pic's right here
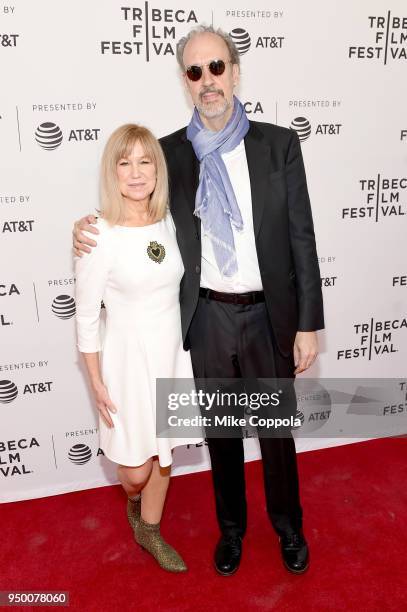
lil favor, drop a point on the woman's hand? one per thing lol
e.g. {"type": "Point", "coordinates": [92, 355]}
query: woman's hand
{"type": "Point", "coordinates": [104, 403]}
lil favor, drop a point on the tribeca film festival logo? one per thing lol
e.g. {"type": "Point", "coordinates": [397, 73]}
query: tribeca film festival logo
{"type": "Point", "coordinates": [388, 40]}
{"type": "Point", "coordinates": [49, 135]}
{"type": "Point", "coordinates": [243, 41]}
{"type": "Point", "coordinates": [375, 339]}
{"type": "Point", "coordinates": [399, 407]}
{"type": "Point", "coordinates": [152, 31]}
{"type": "Point", "coordinates": [11, 461]}
{"type": "Point", "coordinates": [252, 107]}
{"type": "Point", "coordinates": [63, 307]}
{"type": "Point", "coordinates": [9, 390]}
{"type": "Point", "coordinates": [399, 281]}
{"type": "Point", "coordinates": [5, 292]}
{"type": "Point", "coordinates": [381, 198]}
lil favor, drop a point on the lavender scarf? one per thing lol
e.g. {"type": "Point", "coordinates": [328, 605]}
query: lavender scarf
{"type": "Point", "coordinates": [215, 202]}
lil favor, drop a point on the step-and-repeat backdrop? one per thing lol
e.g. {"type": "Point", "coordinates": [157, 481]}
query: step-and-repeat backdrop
{"type": "Point", "coordinates": [71, 73]}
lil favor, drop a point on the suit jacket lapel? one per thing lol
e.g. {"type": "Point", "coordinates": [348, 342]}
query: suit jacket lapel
{"type": "Point", "coordinates": [189, 172]}
{"type": "Point", "coordinates": [258, 161]}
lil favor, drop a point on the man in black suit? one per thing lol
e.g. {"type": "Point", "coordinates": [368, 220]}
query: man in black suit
{"type": "Point", "coordinates": [261, 320]}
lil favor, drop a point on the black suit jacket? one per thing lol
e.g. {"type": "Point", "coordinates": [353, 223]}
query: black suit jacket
{"type": "Point", "coordinates": [283, 227]}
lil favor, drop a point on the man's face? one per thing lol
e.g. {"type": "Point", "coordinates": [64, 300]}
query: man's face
{"type": "Point", "coordinates": [212, 95]}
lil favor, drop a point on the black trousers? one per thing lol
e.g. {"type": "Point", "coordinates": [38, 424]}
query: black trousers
{"type": "Point", "coordinates": [236, 341]}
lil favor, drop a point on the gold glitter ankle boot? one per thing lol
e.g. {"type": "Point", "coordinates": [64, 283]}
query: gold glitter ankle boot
{"type": "Point", "coordinates": [149, 537]}
{"type": "Point", "coordinates": [134, 511]}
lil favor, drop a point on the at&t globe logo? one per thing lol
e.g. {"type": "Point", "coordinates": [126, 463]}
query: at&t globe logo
{"type": "Point", "coordinates": [48, 136]}
{"type": "Point", "coordinates": [8, 391]}
{"type": "Point", "coordinates": [299, 415]}
{"type": "Point", "coordinates": [80, 454]}
{"type": "Point", "coordinates": [241, 39]}
{"type": "Point", "coordinates": [63, 307]}
{"type": "Point", "coordinates": [302, 126]}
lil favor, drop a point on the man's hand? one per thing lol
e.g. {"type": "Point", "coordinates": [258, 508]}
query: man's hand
{"type": "Point", "coordinates": [305, 350]}
{"type": "Point", "coordinates": [80, 241]}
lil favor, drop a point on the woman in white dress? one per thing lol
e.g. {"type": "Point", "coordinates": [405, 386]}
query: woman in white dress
{"type": "Point", "coordinates": [136, 270]}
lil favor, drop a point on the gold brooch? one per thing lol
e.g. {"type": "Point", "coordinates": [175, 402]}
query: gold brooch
{"type": "Point", "coordinates": [156, 251]}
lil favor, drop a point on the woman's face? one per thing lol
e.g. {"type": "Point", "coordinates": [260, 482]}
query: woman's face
{"type": "Point", "coordinates": [136, 175]}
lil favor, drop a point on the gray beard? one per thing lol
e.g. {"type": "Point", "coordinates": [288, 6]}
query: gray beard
{"type": "Point", "coordinates": [212, 111]}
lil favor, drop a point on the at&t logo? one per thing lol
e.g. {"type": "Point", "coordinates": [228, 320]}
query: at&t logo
{"type": "Point", "coordinates": [79, 454]}
{"type": "Point", "coordinates": [300, 417]}
{"type": "Point", "coordinates": [18, 226]}
{"type": "Point", "coordinates": [328, 281]}
{"type": "Point", "coordinates": [63, 307]}
{"type": "Point", "coordinates": [49, 135]}
{"type": "Point", "coordinates": [8, 391]}
{"type": "Point", "coordinates": [8, 40]}
{"type": "Point", "coordinates": [303, 127]}
{"type": "Point", "coordinates": [243, 42]}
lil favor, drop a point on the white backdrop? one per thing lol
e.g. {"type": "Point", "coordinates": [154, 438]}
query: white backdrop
{"type": "Point", "coordinates": [87, 67]}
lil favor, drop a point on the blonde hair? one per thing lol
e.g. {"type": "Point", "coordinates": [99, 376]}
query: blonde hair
{"type": "Point", "coordinates": [119, 145]}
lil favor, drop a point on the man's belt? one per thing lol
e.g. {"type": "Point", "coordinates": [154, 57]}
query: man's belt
{"type": "Point", "coordinates": [253, 297]}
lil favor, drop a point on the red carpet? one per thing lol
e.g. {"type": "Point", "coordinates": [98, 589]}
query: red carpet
{"type": "Point", "coordinates": [355, 506]}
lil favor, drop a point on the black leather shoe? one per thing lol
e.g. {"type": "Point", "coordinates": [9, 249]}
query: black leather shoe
{"type": "Point", "coordinates": [227, 555]}
{"type": "Point", "coordinates": [294, 550]}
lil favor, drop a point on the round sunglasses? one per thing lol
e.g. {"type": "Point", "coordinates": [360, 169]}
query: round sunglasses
{"type": "Point", "coordinates": [216, 67]}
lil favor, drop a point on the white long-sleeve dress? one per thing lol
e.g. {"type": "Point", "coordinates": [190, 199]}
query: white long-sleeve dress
{"type": "Point", "coordinates": [136, 271]}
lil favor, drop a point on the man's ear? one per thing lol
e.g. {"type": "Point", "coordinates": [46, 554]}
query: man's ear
{"type": "Point", "coordinates": [185, 80]}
